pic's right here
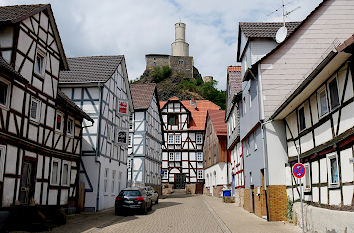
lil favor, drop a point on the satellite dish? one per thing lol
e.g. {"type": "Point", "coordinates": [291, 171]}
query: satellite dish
{"type": "Point", "coordinates": [281, 34]}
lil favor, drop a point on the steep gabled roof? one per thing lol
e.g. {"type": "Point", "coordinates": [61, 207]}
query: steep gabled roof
{"type": "Point", "coordinates": [94, 69]}
{"type": "Point", "coordinates": [17, 13]}
{"type": "Point", "coordinates": [234, 82]}
{"type": "Point", "coordinates": [64, 100]}
{"type": "Point", "coordinates": [142, 95]}
{"type": "Point", "coordinates": [217, 118]}
{"type": "Point", "coordinates": [198, 115]}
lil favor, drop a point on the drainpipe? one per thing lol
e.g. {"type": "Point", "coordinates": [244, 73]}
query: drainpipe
{"type": "Point", "coordinates": [264, 144]}
{"type": "Point", "coordinates": [98, 149]}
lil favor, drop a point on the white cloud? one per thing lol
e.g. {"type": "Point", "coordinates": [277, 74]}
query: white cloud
{"type": "Point", "coordinates": [138, 27]}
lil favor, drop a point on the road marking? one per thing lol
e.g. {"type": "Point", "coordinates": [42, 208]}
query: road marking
{"type": "Point", "coordinates": [221, 224]}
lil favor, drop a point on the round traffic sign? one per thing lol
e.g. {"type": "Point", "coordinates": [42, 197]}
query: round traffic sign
{"type": "Point", "coordinates": [299, 170]}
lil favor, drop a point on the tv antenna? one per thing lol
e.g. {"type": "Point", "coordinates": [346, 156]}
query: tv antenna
{"type": "Point", "coordinates": [283, 31]}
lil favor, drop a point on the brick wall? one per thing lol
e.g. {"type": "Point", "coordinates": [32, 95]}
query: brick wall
{"type": "Point", "coordinates": [247, 203]}
{"type": "Point", "coordinates": [218, 191]}
{"type": "Point", "coordinates": [277, 202]}
{"type": "Point", "coordinates": [259, 202]}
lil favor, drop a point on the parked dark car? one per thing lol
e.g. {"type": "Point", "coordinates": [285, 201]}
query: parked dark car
{"type": "Point", "coordinates": [154, 194]}
{"type": "Point", "coordinates": [133, 198]}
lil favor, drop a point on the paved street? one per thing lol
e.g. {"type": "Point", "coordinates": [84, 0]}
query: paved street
{"type": "Point", "coordinates": [177, 213]}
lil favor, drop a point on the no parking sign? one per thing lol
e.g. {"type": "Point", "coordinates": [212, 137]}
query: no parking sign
{"type": "Point", "coordinates": [299, 170]}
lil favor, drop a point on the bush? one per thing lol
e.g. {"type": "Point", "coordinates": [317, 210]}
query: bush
{"type": "Point", "coordinates": [159, 74]}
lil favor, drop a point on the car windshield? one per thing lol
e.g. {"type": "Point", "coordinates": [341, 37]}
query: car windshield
{"type": "Point", "coordinates": [130, 193]}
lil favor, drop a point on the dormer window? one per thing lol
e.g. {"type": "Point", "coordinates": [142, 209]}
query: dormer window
{"type": "Point", "coordinates": [39, 63]}
{"type": "Point", "coordinates": [172, 119]}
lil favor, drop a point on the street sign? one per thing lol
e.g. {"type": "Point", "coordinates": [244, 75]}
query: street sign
{"type": "Point", "coordinates": [299, 170]}
{"type": "Point", "coordinates": [162, 172]}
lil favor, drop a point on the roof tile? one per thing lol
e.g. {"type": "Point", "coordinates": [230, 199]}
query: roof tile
{"type": "Point", "coordinates": [142, 95]}
{"type": "Point", "coordinates": [217, 118]}
{"type": "Point", "coordinates": [265, 30]}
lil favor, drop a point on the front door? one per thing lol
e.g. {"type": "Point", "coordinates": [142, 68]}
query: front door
{"type": "Point", "coordinates": [27, 182]}
{"type": "Point", "coordinates": [180, 181]}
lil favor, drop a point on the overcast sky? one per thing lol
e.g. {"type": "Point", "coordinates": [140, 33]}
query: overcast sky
{"type": "Point", "coordinates": [138, 27]}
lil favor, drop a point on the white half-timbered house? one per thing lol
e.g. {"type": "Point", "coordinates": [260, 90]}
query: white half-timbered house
{"type": "Point", "coordinates": [146, 138]}
{"type": "Point", "coordinates": [234, 146]}
{"type": "Point", "coordinates": [40, 127]}
{"type": "Point", "coordinates": [182, 153]}
{"type": "Point", "coordinates": [319, 123]}
{"type": "Point", "coordinates": [99, 85]}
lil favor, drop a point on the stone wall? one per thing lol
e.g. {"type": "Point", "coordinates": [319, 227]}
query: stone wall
{"type": "Point", "coordinates": [183, 65]}
{"type": "Point", "coordinates": [324, 220]}
{"type": "Point", "coordinates": [153, 60]}
{"type": "Point", "coordinates": [239, 197]}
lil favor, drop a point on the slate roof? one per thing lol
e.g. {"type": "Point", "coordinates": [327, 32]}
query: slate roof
{"type": "Point", "coordinates": [67, 102]}
{"type": "Point", "coordinates": [235, 79]}
{"type": "Point", "coordinates": [265, 30]}
{"type": "Point", "coordinates": [94, 69]}
{"type": "Point", "coordinates": [198, 116]}
{"type": "Point", "coordinates": [217, 118]}
{"type": "Point", "coordinates": [142, 95]}
{"type": "Point", "coordinates": [14, 13]}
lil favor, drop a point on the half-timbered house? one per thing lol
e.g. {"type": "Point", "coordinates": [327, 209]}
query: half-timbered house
{"type": "Point", "coordinates": [40, 127]}
{"type": "Point", "coordinates": [320, 131]}
{"type": "Point", "coordinates": [182, 153]}
{"type": "Point", "coordinates": [234, 147]}
{"type": "Point", "coordinates": [99, 85]}
{"type": "Point", "coordinates": [146, 138]}
{"type": "Point", "coordinates": [216, 158]}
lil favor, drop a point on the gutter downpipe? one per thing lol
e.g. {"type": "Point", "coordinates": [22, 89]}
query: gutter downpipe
{"type": "Point", "coordinates": [98, 151]}
{"type": "Point", "coordinates": [261, 119]}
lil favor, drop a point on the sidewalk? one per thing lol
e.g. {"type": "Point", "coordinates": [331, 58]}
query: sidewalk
{"type": "Point", "coordinates": [239, 220]}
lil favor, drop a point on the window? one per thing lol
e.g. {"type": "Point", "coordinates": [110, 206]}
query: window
{"type": "Point", "coordinates": [199, 156]}
{"type": "Point", "coordinates": [70, 126]}
{"type": "Point", "coordinates": [119, 180]}
{"type": "Point", "coordinates": [171, 156]}
{"type": "Point", "coordinates": [65, 174]}
{"type": "Point", "coordinates": [35, 109]}
{"type": "Point", "coordinates": [322, 101]}
{"type": "Point", "coordinates": [129, 164]}
{"type": "Point", "coordinates": [130, 140]}
{"type": "Point", "coordinates": [199, 139]}
{"type": "Point", "coordinates": [2, 161]}
{"type": "Point", "coordinates": [59, 122]}
{"type": "Point", "coordinates": [200, 174]}
{"type": "Point", "coordinates": [165, 174]}
{"type": "Point", "coordinates": [178, 156]}
{"type": "Point", "coordinates": [302, 123]}
{"type": "Point", "coordinates": [177, 139]}
{"type": "Point", "coordinates": [39, 63]}
{"type": "Point", "coordinates": [307, 178]}
{"type": "Point", "coordinates": [170, 139]}
{"type": "Point", "coordinates": [109, 132]}
{"type": "Point", "coordinates": [255, 141]}
{"type": "Point", "coordinates": [4, 93]}
{"type": "Point", "coordinates": [180, 62]}
{"type": "Point", "coordinates": [113, 181]}
{"type": "Point", "coordinates": [249, 97]}
{"type": "Point", "coordinates": [333, 93]}
{"type": "Point", "coordinates": [332, 170]}
{"type": "Point", "coordinates": [244, 105]}
{"type": "Point", "coordinates": [247, 147]}
{"type": "Point", "coordinates": [131, 121]}
{"type": "Point", "coordinates": [172, 119]}
{"type": "Point", "coordinates": [105, 181]}
{"type": "Point", "coordinates": [55, 172]}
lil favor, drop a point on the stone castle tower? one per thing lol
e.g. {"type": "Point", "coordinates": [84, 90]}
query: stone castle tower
{"type": "Point", "coordinates": [180, 47]}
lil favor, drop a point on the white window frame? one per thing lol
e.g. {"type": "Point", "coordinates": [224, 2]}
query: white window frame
{"type": "Point", "coordinates": [178, 156]}
{"type": "Point", "coordinates": [200, 174]}
{"type": "Point", "coordinates": [38, 110]}
{"type": "Point", "coordinates": [179, 139]}
{"type": "Point", "coordinates": [105, 180]}
{"type": "Point", "coordinates": [197, 137]}
{"type": "Point", "coordinates": [72, 126]}
{"type": "Point", "coordinates": [320, 115]}
{"type": "Point", "coordinates": [7, 101]}
{"type": "Point", "coordinates": [58, 172]}
{"type": "Point", "coordinates": [200, 156]}
{"type": "Point", "coordinates": [329, 93]}
{"type": "Point", "coordinates": [68, 175]}
{"type": "Point", "coordinates": [2, 161]}
{"type": "Point", "coordinates": [171, 136]}
{"type": "Point", "coordinates": [171, 156]}
{"type": "Point", "coordinates": [113, 181]}
{"type": "Point", "coordinates": [298, 118]}
{"type": "Point", "coordinates": [41, 53]}
{"type": "Point", "coordinates": [56, 121]}
{"type": "Point", "coordinates": [307, 173]}
{"type": "Point", "coordinates": [329, 171]}
{"type": "Point", "coordinates": [109, 132]}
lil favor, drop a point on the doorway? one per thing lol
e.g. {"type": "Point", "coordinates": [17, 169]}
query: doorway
{"type": "Point", "coordinates": [27, 182]}
{"type": "Point", "coordinates": [180, 181]}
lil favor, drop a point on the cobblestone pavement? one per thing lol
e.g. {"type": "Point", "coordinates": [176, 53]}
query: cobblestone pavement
{"type": "Point", "coordinates": [178, 213]}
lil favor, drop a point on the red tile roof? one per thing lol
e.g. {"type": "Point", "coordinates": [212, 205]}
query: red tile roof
{"type": "Point", "coordinates": [217, 118]}
{"type": "Point", "coordinates": [198, 115]}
